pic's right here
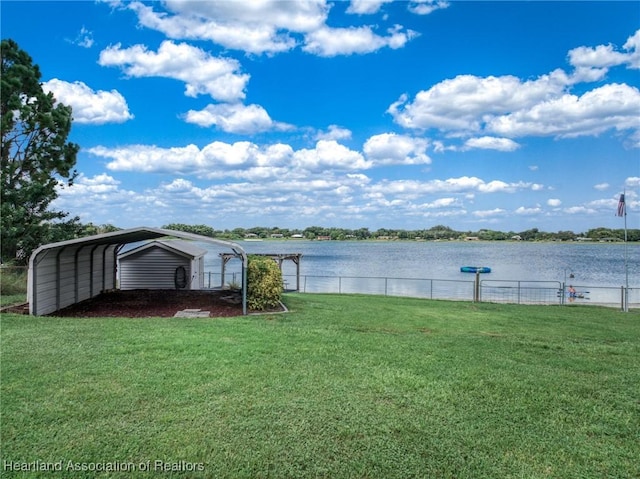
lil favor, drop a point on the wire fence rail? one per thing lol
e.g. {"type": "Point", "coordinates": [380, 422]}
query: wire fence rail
{"type": "Point", "coordinates": [477, 289]}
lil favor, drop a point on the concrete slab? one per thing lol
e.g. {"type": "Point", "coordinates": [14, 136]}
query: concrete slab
{"type": "Point", "coordinates": [191, 313]}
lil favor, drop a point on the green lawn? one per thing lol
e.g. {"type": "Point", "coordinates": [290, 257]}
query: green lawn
{"type": "Point", "coordinates": [11, 299]}
{"type": "Point", "coordinates": [341, 387]}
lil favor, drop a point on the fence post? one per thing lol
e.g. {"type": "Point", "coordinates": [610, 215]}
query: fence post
{"type": "Point", "coordinates": [385, 286]}
{"type": "Point", "coordinates": [339, 284]}
{"type": "Point", "coordinates": [622, 298]}
{"type": "Point", "coordinates": [476, 288]}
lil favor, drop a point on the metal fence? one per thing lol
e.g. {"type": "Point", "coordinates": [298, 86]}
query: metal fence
{"type": "Point", "coordinates": [485, 290]}
{"type": "Point", "coordinates": [521, 292]}
{"type": "Point", "coordinates": [410, 287]}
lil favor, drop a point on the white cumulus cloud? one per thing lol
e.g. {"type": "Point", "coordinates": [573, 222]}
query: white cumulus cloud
{"type": "Point", "coordinates": [235, 118]}
{"type": "Point", "coordinates": [334, 132]}
{"type": "Point", "coordinates": [329, 154]}
{"type": "Point", "coordinates": [233, 25]}
{"type": "Point", "coordinates": [489, 213]}
{"type": "Point", "coordinates": [632, 182]}
{"type": "Point", "coordinates": [425, 7]}
{"type": "Point", "coordinates": [491, 143]}
{"type": "Point", "coordinates": [240, 159]}
{"type": "Point", "coordinates": [270, 26]}
{"type": "Point", "coordinates": [362, 7]}
{"type": "Point", "coordinates": [394, 149]}
{"type": "Point", "coordinates": [330, 42]}
{"type": "Point", "coordinates": [89, 106]}
{"type": "Point", "coordinates": [463, 184]}
{"type": "Point", "coordinates": [442, 203]}
{"type": "Point", "coordinates": [506, 106]}
{"type": "Point", "coordinates": [102, 196]}
{"type": "Point", "coordinates": [461, 103]}
{"type": "Point", "coordinates": [202, 73]}
{"type": "Point", "coordinates": [613, 106]}
{"type": "Point", "coordinates": [602, 57]}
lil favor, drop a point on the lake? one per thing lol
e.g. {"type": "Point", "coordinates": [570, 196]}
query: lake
{"type": "Point", "coordinates": [592, 264]}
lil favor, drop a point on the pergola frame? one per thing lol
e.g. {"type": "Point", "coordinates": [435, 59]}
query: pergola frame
{"type": "Point", "coordinates": [277, 257]}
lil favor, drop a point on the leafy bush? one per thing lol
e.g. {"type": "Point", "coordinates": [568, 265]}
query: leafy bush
{"type": "Point", "coordinates": [264, 283]}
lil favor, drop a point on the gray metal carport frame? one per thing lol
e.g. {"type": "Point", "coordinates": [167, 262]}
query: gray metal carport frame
{"type": "Point", "coordinates": [67, 272]}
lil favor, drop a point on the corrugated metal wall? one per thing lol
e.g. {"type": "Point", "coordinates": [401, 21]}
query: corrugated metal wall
{"type": "Point", "coordinates": [152, 268]}
{"type": "Point", "coordinates": [69, 275]}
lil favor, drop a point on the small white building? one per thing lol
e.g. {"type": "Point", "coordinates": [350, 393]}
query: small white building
{"type": "Point", "coordinates": [162, 264]}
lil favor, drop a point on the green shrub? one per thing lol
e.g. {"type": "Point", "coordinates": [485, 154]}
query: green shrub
{"type": "Point", "coordinates": [13, 280]}
{"type": "Point", "coordinates": [264, 283]}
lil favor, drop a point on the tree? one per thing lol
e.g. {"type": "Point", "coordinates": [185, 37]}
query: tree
{"type": "Point", "coordinates": [566, 235]}
{"type": "Point", "coordinates": [202, 230]}
{"type": "Point", "coordinates": [36, 156]}
{"type": "Point", "coordinates": [530, 235]}
{"type": "Point", "coordinates": [90, 229]}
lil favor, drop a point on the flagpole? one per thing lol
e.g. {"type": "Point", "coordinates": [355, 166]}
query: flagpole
{"type": "Point", "coordinates": [622, 211]}
{"type": "Point", "coordinates": [626, 259]}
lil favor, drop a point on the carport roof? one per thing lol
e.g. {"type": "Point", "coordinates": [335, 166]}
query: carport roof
{"type": "Point", "coordinates": [134, 235]}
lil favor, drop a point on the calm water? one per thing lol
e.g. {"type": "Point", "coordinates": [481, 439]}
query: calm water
{"type": "Point", "coordinates": [595, 264]}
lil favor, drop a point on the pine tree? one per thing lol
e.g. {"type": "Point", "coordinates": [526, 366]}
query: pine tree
{"type": "Point", "coordinates": [36, 156]}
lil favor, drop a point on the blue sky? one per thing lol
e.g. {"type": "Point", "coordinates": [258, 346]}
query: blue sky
{"type": "Point", "coordinates": [505, 115]}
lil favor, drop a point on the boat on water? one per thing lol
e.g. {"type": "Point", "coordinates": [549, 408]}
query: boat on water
{"type": "Point", "coordinates": [475, 269]}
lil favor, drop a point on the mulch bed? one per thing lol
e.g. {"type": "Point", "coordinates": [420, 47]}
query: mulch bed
{"type": "Point", "coordinates": [143, 303]}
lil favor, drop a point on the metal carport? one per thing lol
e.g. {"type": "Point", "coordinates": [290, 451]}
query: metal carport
{"type": "Point", "coordinates": [65, 273]}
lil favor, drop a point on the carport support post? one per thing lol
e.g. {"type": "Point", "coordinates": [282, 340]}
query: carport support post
{"type": "Point", "coordinates": [245, 263]}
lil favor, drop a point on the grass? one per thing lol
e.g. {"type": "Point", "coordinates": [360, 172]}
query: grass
{"type": "Point", "coordinates": [13, 285]}
{"type": "Point", "coordinates": [11, 299]}
{"type": "Point", "coordinates": [342, 386]}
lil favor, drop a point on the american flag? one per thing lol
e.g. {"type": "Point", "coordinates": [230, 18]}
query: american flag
{"type": "Point", "coordinates": [621, 206]}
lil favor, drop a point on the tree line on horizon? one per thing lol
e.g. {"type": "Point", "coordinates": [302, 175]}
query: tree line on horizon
{"type": "Point", "coordinates": [439, 232]}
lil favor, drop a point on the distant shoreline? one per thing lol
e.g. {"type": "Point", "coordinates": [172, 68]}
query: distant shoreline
{"type": "Point", "coordinates": [407, 240]}
{"type": "Point", "coordinates": [436, 233]}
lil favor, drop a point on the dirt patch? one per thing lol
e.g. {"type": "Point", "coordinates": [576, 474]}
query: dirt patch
{"type": "Point", "coordinates": [22, 308]}
{"type": "Point", "coordinates": [142, 303]}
